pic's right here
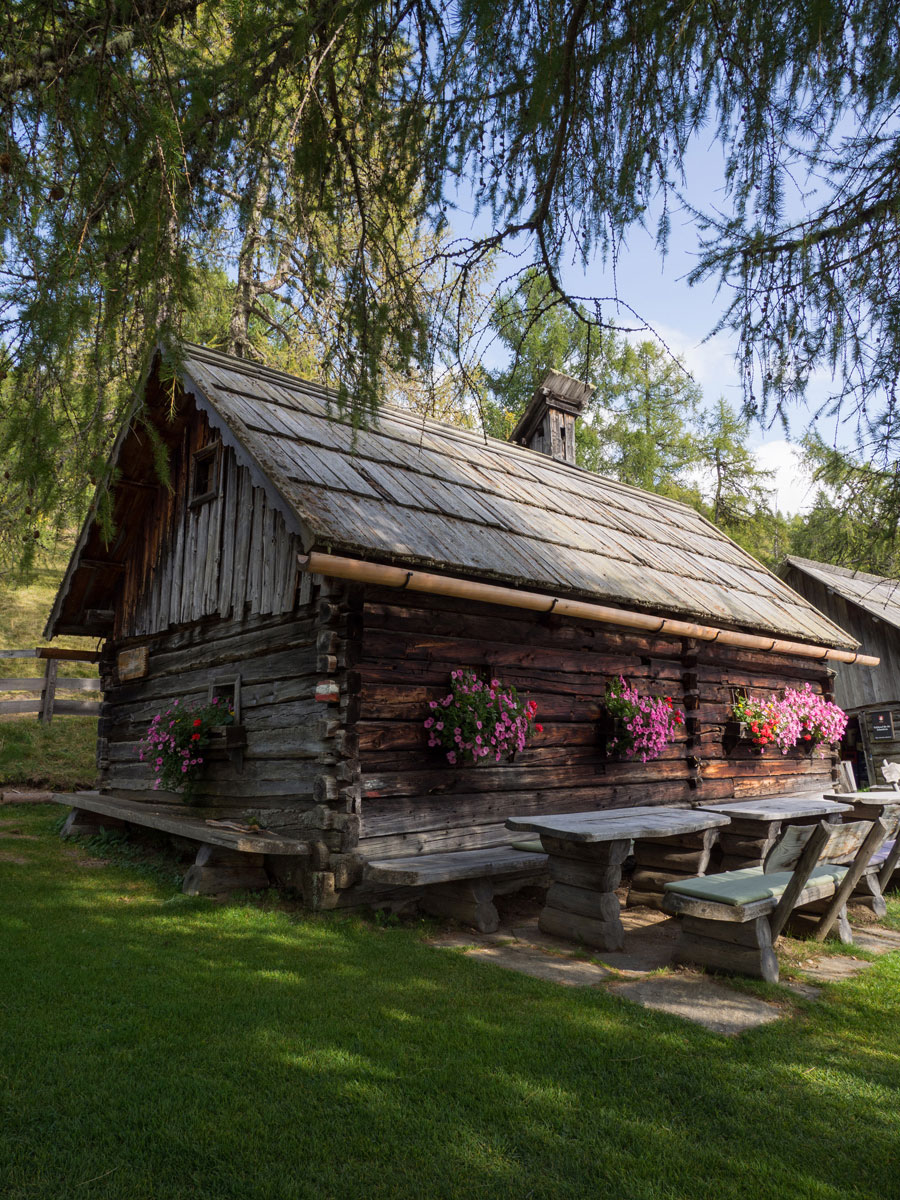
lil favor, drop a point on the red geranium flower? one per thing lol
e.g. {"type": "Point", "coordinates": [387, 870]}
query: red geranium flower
{"type": "Point", "coordinates": [197, 722]}
{"type": "Point", "coordinates": [539, 728]}
{"type": "Point", "coordinates": [195, 737]}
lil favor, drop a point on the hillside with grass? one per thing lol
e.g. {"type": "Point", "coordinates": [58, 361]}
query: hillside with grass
{"type": "Point", "coordinates": [61, 755]}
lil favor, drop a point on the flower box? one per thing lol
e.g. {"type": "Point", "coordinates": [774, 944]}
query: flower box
{"type": "Point", "coordinates": [636, 726]}
{"type": "Point", "coordinates": [609, 729]}
{"type": "Point", "coordinates": [224, 740]}
{"type": "Point", "coordinates": [479, 720]}
{"type": "Point", "coordinates": [737, 733]}
{"type": "Point", "coordinates": [798, 720]}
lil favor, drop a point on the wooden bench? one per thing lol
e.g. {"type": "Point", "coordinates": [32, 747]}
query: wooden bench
{"type": "Point", "coordinates": [227, 860]}
{"type": "Point", "coordinates": [731, 921]}
{"type": "Point", "coordinates": [463, 883]}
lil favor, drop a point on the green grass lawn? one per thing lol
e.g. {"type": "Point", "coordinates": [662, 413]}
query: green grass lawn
{"type": "Point", "coordinates": [31, 755]}
{"type": "Point", "coordinates": [157, 1046]}
{"type": "Point", "coordinates": [58, 756]}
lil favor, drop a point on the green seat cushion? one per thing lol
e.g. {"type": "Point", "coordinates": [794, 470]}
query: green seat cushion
{"type": "Point", "coordinates": [533, 847]}
{"type": "Point", "coordinates": [747, 885]}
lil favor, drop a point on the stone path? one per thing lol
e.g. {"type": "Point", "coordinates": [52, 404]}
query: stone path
{"type": "Point", "coordinates": [633, 974]}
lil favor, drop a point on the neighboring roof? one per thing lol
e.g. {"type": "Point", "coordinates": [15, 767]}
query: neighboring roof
{"type": "Point", "coordinates": [876, 594]}
{"type": "Point", "coordinates": [413, 491]}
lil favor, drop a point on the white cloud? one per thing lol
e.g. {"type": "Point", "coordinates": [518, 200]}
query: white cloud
{"type": "Point", "coordinates": [791, 489]}
{"type": "Point", "coordinates": [711, 363]}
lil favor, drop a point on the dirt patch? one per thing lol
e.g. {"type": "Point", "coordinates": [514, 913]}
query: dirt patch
{"type": "Point", "coordinates": [13, 858]}
{"type": "Point", "coordinates": [20, 837]}
{"type": "Point", "coordinates": [83, 861]}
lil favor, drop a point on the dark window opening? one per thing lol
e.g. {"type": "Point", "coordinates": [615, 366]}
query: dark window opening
{"type": "Point", "coordinates": [228, 694]}
{"type": "Point", "coordinates": [205, 474]}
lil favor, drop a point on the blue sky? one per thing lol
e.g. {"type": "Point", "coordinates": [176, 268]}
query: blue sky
{"type": "Point", "coordinates": [683, 317]}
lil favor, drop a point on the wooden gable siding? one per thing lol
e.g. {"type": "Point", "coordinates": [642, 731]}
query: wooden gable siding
{"type": "Point", "coordinates": [411, 800]}
{"type": "Point", "coordinates": [856, 687]}
{"type": "Point", "coordinates": [225, 557]}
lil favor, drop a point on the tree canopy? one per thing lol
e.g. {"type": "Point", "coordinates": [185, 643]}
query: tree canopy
{"type": "Point", "coordinates": [311, 153]}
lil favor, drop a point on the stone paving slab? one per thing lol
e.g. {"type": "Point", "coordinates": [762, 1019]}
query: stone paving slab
{"type": "Point", "coordinates": [878, 941]}
{"type": "Point", "coordinates": [649, 941]}
{"type": "Point", "coordinates": [703, 1001]}
{"type": "Point", "coordinates": [527, 960]}
{"type": "Point", "coordinates": [834, 969]}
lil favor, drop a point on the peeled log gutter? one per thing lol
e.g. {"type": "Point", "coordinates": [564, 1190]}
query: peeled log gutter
{"type": "Point", "coordinates": [488, 593]}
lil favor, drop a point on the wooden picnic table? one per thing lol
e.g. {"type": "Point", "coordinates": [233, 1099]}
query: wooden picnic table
{"type": "Point", "coordinates": [586, 852]}
{"type": "Point", "coordinates": [755, 825]}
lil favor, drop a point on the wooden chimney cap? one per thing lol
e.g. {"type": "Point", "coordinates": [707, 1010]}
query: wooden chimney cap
{"type": "Point", "coordinates": [558, 391]}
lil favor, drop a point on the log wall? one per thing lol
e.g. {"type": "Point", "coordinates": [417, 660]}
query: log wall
{"type": "Point", "coordinates": [293, 772]}
{"type": "Point", "coordinates": [412, 801]}
{"type": "Point", "coordinates": [276, 662]}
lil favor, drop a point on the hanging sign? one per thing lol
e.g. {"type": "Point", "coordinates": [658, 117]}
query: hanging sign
{"type": "Point", "coordinates": [882, 726]}
{"type": "Point", "coordinates": [133, 664]}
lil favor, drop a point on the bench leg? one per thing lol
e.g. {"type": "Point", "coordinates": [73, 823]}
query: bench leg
{"type": "Point", "coordinates": [803, 922]}
{"type": "Point", "coordinates": [743, 949]}
{"type": "Point", "coordinates": [218, 870]}
{"type": "Point", "coordinates": [868, 894]}
{"type": "Point", "coordinates": [80, 822]}
{"type": "Point", "coordinates": [470, 901]}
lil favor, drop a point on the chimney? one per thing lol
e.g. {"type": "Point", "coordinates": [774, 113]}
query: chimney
{"type": "Point", "coordinates": [548, 423]}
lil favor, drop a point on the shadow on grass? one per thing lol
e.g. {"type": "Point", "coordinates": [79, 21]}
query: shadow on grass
{"type": "Point", "coordinates": [156, 1045]}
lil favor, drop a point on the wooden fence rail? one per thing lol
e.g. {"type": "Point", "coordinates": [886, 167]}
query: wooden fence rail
{"type": "Point", "coordinates": [50, 683]}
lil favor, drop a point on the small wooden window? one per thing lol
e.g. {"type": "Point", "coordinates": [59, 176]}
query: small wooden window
{"type": "Point", "coordinates": [228, 693]}
{"type": "Point", "coordinates": [205, 473]}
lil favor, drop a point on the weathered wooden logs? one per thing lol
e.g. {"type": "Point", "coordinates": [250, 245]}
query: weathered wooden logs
{"type": "Point", "coordinates": [581, 902]}
{"type": "Point", "coordinates": [665, 860]}
{"type": "Point", "coordinates": [468, 900]}
{"type": "Point", "coordinates": [604, 935]}
{"type": "Point", "coordinates": [728, 946]}
{"type": "Point", "coordinates": [746, 843]}
{"type": "Point", "coordinates": [218, 870]}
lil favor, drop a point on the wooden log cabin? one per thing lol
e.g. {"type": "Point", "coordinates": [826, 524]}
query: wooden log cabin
{"type": "Point", "coordinates": [868, 606]}
{"type": "Point", "coordinates": [327, 579]}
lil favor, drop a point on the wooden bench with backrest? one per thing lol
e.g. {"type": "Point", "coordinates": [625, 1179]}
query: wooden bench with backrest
{"type": "Point", "coordinates": [730, 922]}
{"type": "Point", "coordinates": [463, 883]}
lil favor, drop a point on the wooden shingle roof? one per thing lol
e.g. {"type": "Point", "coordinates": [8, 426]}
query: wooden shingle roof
{"type": "Point", "coordinates": [877, 595]}
{"type": "Point", "coordinates": [412, 491]}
